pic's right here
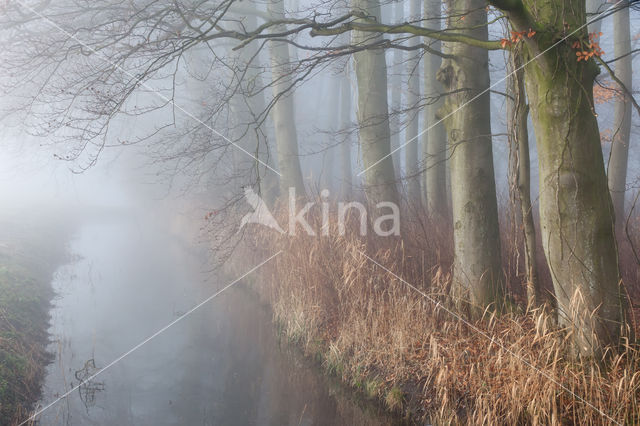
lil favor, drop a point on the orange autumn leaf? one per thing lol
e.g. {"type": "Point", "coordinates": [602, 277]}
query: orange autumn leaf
{"type": "Point", "coordinates": [605, 92]}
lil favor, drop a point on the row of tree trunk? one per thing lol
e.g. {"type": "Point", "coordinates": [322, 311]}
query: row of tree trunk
{"type": "Point", "coordinates": [576, 208]}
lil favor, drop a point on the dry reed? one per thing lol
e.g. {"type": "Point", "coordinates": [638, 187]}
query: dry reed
{"type": "Point", "coordinates": [397, 345]}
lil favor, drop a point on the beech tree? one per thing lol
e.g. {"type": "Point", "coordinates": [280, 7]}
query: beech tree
{"type": "Point", "coordinates": [467, 112]}
{"type": "Point", "coordinates": [345, 145]}
{"type": "Point", "coordinates": [617, 170]}
{"type": "Point", "coordinates": [245, 110]}
{"type": "Point", "coordinates": [395, 87]}
{"type": "Point", "coordinates": [576, 213]}
{"type": "Point", "coordinates": [283, 109]}
{"type": "Point", "coordinates": [434, 140]}
{"type": "Point", "coordinates": [373, 114]}
{"type": "Point", "coordinates": [411, 151]}
{"type": "Point", "coordinates": [594, 8]}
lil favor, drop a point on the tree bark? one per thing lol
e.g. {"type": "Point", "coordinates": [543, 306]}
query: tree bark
{"type": "Point", "coordinates": [329, 166]}
{"type": "Point", "coordinates": [411, 150]}
{"type": "Point", "coordinates": [283, 112]}
{"type": "Point", "coordinates": [373, 113]}
{"type": "Point", "coordinates": [617, 172]}
{"type": "Point", "coordinates": [397, 56]}
{"type": "Point", "coordinates": [595, 7]}
{"type": "Point", "coordinates": [434, 141]}
{"type": "Point", "coordinates": [345, 146]}
{"type": "Point", "coordinates": [576, 213]}
{"type": "Point", "coordinates": [519, 148]}
{"type": "Point", "coordinates": [477, 274]}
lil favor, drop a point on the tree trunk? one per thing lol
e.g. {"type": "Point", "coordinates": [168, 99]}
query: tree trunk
{"type": "Point", "coordinates": [329, 167]}
{"type": "Point", "coordinates": [622, 121]}
{"type": "Point", "coordinates": [413, 117]}
{"type": "Point", "coordinates": [283, 112]}
{"type": "Point", "coordinates": [594, 8]}
{"type": "Point", "coordinates": [396, 94]}
{"type": "Point", "coordinates": [477, 274]}
{"type": "Point", "coordinates": [345, 147]}
{"type": "Point", "coordinates": [373, 113]}
{"type": "Point", "coordinates": [519, 148]}
{"type": "Point", "coordinates": [253, 139]}
{"type": "Point", "coordinates": [576, 213]}
{"type": "Point", "coordinates": [434, 141]}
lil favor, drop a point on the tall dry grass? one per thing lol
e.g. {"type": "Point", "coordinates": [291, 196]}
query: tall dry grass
{"type": "Point", "coordinates": [404, 348]}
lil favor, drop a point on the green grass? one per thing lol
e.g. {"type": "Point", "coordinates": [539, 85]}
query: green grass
{"type": "Point", "coordinates": [29, 253]}
{"type": "Point", "coordinates": [24, 306]}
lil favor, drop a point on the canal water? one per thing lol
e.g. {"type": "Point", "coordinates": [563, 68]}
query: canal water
{"type": "Point", "coordinates": [220, 365]}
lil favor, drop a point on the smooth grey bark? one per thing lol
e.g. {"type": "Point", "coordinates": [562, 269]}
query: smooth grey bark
{"type": "Point", "coordinates": [595, 7]}
{"type": "Point", "coordinates": [346, 174]}
{"type": "Point", "coordinates": [395, 78]}
{"type": "Point", "coordinates": [617, 170]}
{"type": "Point", "coordinates": [329, 166]}
{"type": "Point", "coordinates": [434, 141]}
{"type": "Point", "coordinates": [411, 143]}
{"type": "Point", "coordinates": [283, 112]}
{"type": "Point", "coordinates": [477, 273]}
{"type": "Point", "coordinates": [520, 172]}
{"type": "Point", "coordinates": [373, 112]}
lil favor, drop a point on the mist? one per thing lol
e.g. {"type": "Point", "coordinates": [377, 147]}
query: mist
{"type": "Point", "coordinates": [295, 212]}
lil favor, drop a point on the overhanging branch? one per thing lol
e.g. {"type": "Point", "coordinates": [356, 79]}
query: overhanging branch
{"type": "Point", "coordinates": [374, 27]}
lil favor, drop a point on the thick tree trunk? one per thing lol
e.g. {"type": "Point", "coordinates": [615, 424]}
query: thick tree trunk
{"type": "Point", "coordinates": [346, 173]}
{"type": "Point", "coordinates": [521, 173]}
{"type": "Point", "coordinates": [622, 121]}
{"type": "Point", "coordinates": [434, 141]}
{"type": "Point", "coordinates": [477, 274]}
{"type": "Point", "coordinates": [283, 112]}
{"type": "Point", "coordinates": [411, 150]}
{"type": "Point", "coordinates": [373, 113]}
{"type": "Point", "coordinates": [576, 213]}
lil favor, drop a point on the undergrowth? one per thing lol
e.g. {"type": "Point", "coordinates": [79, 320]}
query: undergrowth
{"type": "Point", "coordinates": [30, 250]}
{"type": "Point", "coordinates": [401, 346]}
{"type": "Point", "coordinates": [23, 320]}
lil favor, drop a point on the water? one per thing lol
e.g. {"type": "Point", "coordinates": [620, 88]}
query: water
{"type": "Point", "coordinates": [221, 365]}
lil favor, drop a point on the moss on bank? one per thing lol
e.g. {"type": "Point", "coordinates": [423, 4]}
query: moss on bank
{"type": "Point", "coordinates": [24, 302]}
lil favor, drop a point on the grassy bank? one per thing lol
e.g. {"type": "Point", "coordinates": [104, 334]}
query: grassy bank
{"type": "Point", "coordinates": [341, 298]}
{"type": "Point", "coordinates": [31, 247]}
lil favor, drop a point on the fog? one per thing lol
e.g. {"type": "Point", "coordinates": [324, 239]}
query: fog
{"type": "Point", "coordinates": [144, 146]}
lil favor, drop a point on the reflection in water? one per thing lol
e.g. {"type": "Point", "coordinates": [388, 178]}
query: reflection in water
{"type": "Point", "coordinates": [220, 365]}
{"type": "Point", "coordinates": [88, 387]}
